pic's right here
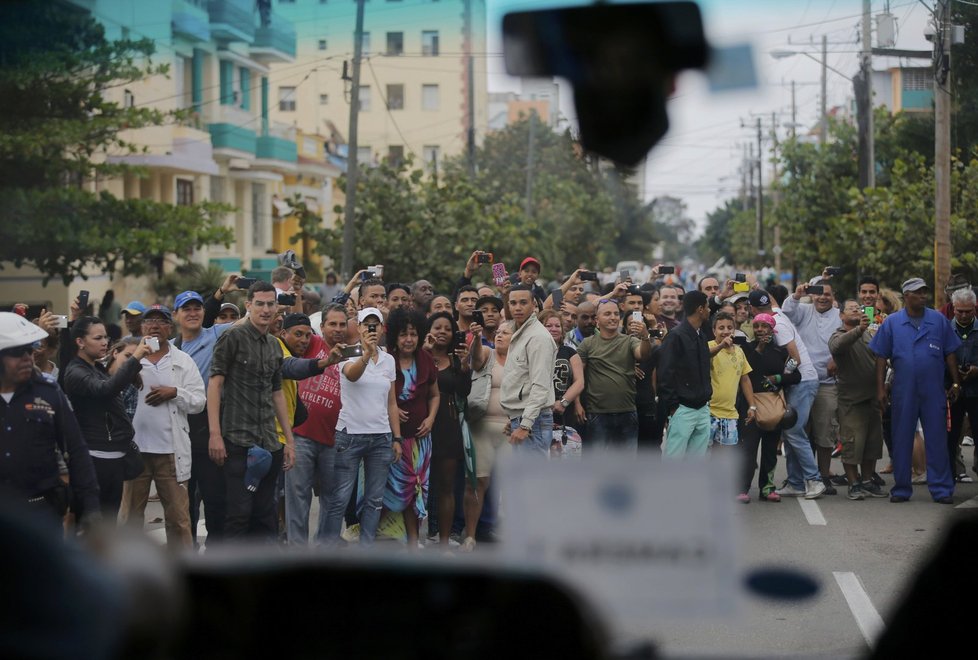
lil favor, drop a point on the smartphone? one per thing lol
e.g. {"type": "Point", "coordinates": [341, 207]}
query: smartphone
{"type": "Point", "coordinates": [62, 321]}
{"type": "Point", "coordinates": [287, 299]}
{"type": "Point", "coordinates": [833, 270]}
{"type": "Point", "coordinates": [667, 270]}
{"type": "Point", "coordinates": [83, 300]}
{"type": "Point", "coordinates": [245, 282]}
{"type": "Point", "coordinates": [870, 313]}
{"type": "Point", "coordinates": [588, 276]}
{"type": "Point", "coordinates": [815, 289]}
{"type": "Point", "coordinates": [479, 318]}
{"type": "Point", "coordinates": [371, 327]}
{"type": "Point", "coordinates": [558, 298]}
{"type": "Point", "coordinates": [637, 316]}
{"type": "Point", "coordinates": [740, 277]}
{"type": "Point", "coordinates": [514, 279]}
{"type": "Point", "coordinates": [351, 351]}
{"type": "Point", "coordinates": [484, 258]}
{"type": "Point", "coordinates": [377, 271]}
{"type": "Point", "coordinates": [459, 339]}
{"type": "Point", "coordinates": [740, 340]}
{"type": "Point", "coordinates": [153, 343]}
{"type": "Point", "coordinates": [741, 287]}
{"type": "Point", "coordinates": [499, 273]}
{"type": "Point", "coordinates": [368, 274]}
{"type": "Point", "coordinates": [655, 333]}
{"type": "Point", "coordinates": [624, 275]}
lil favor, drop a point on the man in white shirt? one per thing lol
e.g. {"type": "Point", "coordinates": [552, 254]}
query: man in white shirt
{"type": "Point", "coordinates": [171, 389]}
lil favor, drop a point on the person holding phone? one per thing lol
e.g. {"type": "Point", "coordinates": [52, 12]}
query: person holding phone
{"type": "Point", "coordinates": [368, 431]}
{"type": "Point", "coordinates": [451, 359]}
{"type": "Point", "coordinates": [966, 328]}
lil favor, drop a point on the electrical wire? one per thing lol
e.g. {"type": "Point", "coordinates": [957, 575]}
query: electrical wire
{"type": "Point", "coordinates": [388, 108]}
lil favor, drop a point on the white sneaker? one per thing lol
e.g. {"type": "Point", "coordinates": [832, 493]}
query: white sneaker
{"type": "Point", "coordinates": [790, 491]}
{"type": "Point", "coordinates": [814, 489]}
{"type": "Point", "coordinates": [967, 441]}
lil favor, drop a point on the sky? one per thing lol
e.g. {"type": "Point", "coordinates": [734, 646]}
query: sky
{"type": "Point", "coordinates": [700, 158]}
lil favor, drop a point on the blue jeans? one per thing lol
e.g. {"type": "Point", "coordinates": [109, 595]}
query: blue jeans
{"type": "Point", "coordinates": [541, 435]}
{"type": "Point", "coordinates": [374, 449]}
{"type": "Point", "coordinates": [612, 430]}
{"type": "Point", "coordinates": [312, 460]}
{"type": "Point", "coordinates": [798, 454]}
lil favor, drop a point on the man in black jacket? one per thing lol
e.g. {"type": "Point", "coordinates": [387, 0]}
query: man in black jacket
{"type": "Point", "coordinates": [684, 381]}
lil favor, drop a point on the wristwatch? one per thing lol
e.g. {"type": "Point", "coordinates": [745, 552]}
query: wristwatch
{"type": "Point", "coordinates": [398, 438]}
{"type": "Point", "coordinates": [565, 403]}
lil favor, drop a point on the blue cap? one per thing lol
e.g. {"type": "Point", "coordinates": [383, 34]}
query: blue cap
{"type": "Point", "coordinates": [135, 308]}
{"type": "Point", "coordinates": [259, 463]}
{"type": "Point", "coordinates": [185, 297]}
{"type": "Point", "coordinates": [160, 309]}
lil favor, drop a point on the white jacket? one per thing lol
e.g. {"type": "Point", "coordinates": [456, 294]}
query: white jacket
{"type": "Point", "coordinates": [528, 377]}
{"type": "Point", "coordinates": [191, 398]}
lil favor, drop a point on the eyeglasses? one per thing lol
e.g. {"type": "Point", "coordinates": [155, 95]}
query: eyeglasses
{"type": "Point", "coordinates": [152, 322]}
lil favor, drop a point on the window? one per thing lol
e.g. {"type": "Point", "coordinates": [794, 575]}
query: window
{"type": "Point", "coordinates": [917, 80]}
{"type": "Point", "coordinates": [431, 153]}
{"type": "Point", "coordinates": [364, 155]}
{"type": "Point", "coordinates": [395, 43]}
{"type": "Point", "coordinates": [364, 98]}
{"type": "Point", "coordinates": [395, 155]}
{"type": "Point", "coordinates": [429, 97]}
{"type": "Point", "coordinates": [395, 97]}
{"type": "Point", "coordinates": [286, 99]}
{"type": "Point", "coordinates": [217, 189]}
{"type": "Point", "coordinates": [429, 43]}
{"type": "Point", "coordinates": [364, 43]}
{"type": "Point", "coordinates": [324, 99]}
{"type": "Point", "coordinates": [185, 192]}
{"type": "Point", "coordinates": [322, 44]}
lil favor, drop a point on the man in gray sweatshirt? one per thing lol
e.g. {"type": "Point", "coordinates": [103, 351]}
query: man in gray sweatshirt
{"type": "Point", "coordinates": [527, 392]}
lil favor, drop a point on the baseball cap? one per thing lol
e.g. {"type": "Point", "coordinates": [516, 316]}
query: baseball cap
{"type": "Point", "coordinates": [230, 306]}
{"type": "Point", "coordinates": [367, 312]}
{"type": "Point", "coordinates": [737, 297]}
{"type": "Point", "coordinates": [490, 300]}
{"type": "Point", "coordinates": [530, 260]}
{"type": "Point", "coordinates": [294, 319]}
{"type": "Point", "coordinates": [135, 308]}
{"type": "Point", "coordinates": [913, 284]}
{"type": "Point", "coordinates": [185, 297]}
{"type": "Point", "coordinates": [758, 298]}
{"type": "Point", "coordinates": [259, 462]}
{"type": "Point", "coordinates": [162, 310]}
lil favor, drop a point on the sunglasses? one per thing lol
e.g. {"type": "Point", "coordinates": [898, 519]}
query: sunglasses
{"type": "Point", "coordinates": [20, 351]}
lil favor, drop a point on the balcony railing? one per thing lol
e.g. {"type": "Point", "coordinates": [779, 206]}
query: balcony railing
{"type": "Point", "coordinates": [278, 36]}
{"type": "Point", "coordinates": [232, 20]}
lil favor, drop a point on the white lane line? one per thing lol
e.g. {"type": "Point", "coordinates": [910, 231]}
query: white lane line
{"type": "Point", "coordinates": [812, 512]}
{"type": "Point", "coordinates": [968, 504]}
{"type": "Point", "coordinates": [867, 618]}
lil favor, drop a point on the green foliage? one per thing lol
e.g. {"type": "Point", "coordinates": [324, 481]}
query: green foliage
{"type": "Point", "coordinates": [56, 125]}
{"type": "Point", "coordinates": [190, 277]}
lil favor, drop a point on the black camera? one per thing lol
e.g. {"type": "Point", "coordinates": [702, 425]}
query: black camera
{"type": "Point", "coordinates": [815, 289]}
{"type": "Point", "coordinates": [287, 299]}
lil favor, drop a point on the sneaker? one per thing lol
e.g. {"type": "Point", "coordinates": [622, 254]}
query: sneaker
{"type": "Point", "coordinates": [856, 492]}
{"type": "Point", "coordinates": [967, 441]}
{"type": "Point", "coordinates": [964, 478]}
{"type": "Point", "coordinates": [814, 488]}
{"type": "Point", "coordinates": [787, 490]}
{"type": "Point", "coordinates": [898, 499]}
{"type": "Point", "coordinates": [919, 480]}
{"type": "Point", "coordinates": [837, 451]}
{"type": "Point", "coordinates": [743, 498]}
{"type": "Point", "coordinates": [829, 488]}
{"type": "Point", "coordinates": [878, 480]}
{"type": "Point", "coordinates": [771, 497]}
{"type": "Point", "coordinates": [839, 480]}
{"type": "Point", "coordinates": [872, 489]}
{"type": "Point", "coordinates": [468, 545]}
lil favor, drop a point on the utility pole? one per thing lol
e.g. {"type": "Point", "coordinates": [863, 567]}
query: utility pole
{"type": "Point", "coordinates": [528, 207]}
{"type": "Point", "coordinates": [750, 170]}
{"type": "Point", "coordinates": [760, 191]}
{"type": "Point", "coordinates": [942, 150]}
{"type": "Point", "coordinates": [794, 121]}
{"type": "Point", "coordinates": [823, 129]}
{"type": "Point", "coordinates": [774, 194]}
{"type": "Point", "coordinates": [744, 165]}
{"type": "Point", "coordinates": [470, 84]}
{"type": "Point", "coordinates": [867, 150]}
{"type": "Point", "coordinates": [349, 231]}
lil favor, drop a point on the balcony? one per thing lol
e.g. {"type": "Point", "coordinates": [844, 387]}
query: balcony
{"type": "Point", "coordinates": [232, 128]}
{"type": "Point", "coordinates": [276, 148]}
{"type": "Point", "coordinates": [274, 42]}
{"type": "Point", "coordinates": [232, 20]}
{"type": "Point", "coordinates": [190, 20]}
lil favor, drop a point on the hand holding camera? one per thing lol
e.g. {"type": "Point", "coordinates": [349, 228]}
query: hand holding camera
{"type": "Point", "coordinates": [144, 348]}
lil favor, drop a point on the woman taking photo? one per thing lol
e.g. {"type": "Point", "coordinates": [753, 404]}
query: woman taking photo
{"type": "Point", "coordinates": [416, 389]}
{"type": "Point", "coordinates": [99, 408]}
{"type": "Point", "coordinates": [368, 429]}
{"type": "Point", "coordinates": [568, 374]}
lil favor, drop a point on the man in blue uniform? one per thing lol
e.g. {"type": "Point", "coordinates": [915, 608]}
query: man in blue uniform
{"type": "Point", "coordinates": [918, 342]}
{"type": "Point", "coordinates": [36, 423]}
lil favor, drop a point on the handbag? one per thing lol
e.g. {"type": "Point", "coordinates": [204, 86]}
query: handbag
{"type": "Point", "coordinates": [771, 407]}
{"type": "Point", "coordinates": [132, 462]}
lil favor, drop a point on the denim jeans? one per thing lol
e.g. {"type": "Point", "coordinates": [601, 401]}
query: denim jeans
{"type": "Point", "coordinates": [374, 449]}
{"type": "Point", "coordinates": [798, 454]}
{"type": "Point", "coordinates": [541, 435]}
{"type": "Point", "coordinates": [313, 460]}
{"type": "Point", "coordinates": [613, 430]}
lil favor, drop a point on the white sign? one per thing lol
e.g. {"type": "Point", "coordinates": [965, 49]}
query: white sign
{"type": "Point", "coordinates": [643, 539]}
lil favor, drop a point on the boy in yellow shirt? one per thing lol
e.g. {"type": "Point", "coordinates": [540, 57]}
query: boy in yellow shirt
{"type": "Point", "coordinates": [728, 370]}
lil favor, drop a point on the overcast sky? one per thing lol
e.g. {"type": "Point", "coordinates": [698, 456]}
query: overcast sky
{"type": "Point", "coordinates": [699, 160]}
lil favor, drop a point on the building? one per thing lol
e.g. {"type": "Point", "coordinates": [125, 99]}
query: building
{"type": "Point", "coordinates": [540, 95]}
{"type": "Point", "coordinates": [907, 89]}
{"type": "Point", "coordinates": [417, 96]}
{"type": "Point", "coordinates": [228, 150]}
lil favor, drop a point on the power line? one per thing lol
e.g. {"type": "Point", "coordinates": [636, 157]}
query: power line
{"type": "Point", "coordinates": [373, 74]}
{"type": "Point", "coordinates": [823, 22]}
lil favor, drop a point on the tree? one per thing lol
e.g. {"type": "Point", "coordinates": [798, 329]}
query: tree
{"type": "Point", "coordinates": [56, 125]}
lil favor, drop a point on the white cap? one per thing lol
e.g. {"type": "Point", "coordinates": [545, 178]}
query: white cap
{"type": "Point", "coordinates": [367, 312]}
{"type": "Point", "coordinates": [15, 330]}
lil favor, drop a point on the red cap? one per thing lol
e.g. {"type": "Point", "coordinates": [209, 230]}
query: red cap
{"type": "Point", "coordinates": [530, 260]}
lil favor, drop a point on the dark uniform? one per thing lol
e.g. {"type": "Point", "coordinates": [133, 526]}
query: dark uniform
{"type": "Point", "coordinates": [35, 426]}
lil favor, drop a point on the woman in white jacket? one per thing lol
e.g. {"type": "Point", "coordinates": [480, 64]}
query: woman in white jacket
{"type": "Point", "coordinates": [171, 389]}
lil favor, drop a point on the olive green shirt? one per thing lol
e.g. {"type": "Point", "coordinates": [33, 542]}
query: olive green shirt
{"type": "Point", "coordinates": [609, 373]}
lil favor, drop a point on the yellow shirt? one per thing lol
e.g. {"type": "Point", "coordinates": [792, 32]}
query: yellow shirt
{"type": "Point", "coordinates": [726, 369]}
{"type": "Point", "coordinates": [290, 390]}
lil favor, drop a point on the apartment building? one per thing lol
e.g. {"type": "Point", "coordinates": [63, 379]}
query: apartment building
{"type": "Point", "coordinates": [417, 96]}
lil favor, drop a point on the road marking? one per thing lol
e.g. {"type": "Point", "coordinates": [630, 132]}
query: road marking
{"type": "Point", "coordinates": [867, 618]}
{"type": "Point", "coordinates": [812, 512]}
{"type": "Point", "coordinates": [968, 504]}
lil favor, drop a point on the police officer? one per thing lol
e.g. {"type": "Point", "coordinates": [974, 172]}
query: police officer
{"type": "Point", "coordinates": [918, 342]}
{"type": "Point", "coordinates": [36, 424]}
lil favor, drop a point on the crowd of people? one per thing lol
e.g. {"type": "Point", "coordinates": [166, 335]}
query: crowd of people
{"type": "Point", "coordinates": [393, 403]}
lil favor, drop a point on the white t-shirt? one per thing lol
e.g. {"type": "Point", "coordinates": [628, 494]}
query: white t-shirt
{"type": "Point", "coordinates": [153, 424]}
{"type": "Point", "coordinates": [784, 333]}
{"type": "Point", "coordinates": [363, 402]}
